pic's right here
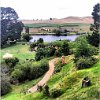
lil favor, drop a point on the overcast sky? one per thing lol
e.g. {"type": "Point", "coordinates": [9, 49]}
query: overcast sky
{"type": "Point", "coordinates": [44, 9]}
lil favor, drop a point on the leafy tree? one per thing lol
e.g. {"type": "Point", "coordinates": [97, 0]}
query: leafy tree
{"type": "Point", "coordinates": [65, 48]}
{"type": "Point", "coordinates": [39, 54]}
{"type": "Point", "coordinates": [77, 40]}
{"type": "Point", "coordinates": [27, 29]}
{"type": "Point", "coordinates": [65, 30]}
{"type": "Point", "coordinates": [26, 36]}
{"type": "Point", "coordinates": [54, 30]}
{"type": "Point", "coordinates": [94, 38]}
{"type": "Point", "coordinates": [8, 25]}
{"type": "Point", "coordinates": [83, 49]}
{"type": "Point", "coordinates": [50, 18]}
{"type": "Point", "coordinates": [58, 32]}
{"type": "Point", "coordinates": [40, 40]}
{"type": "Point", "coordinates": [14, 30]}
{"type": "Point", "coordinates": [41, 45]}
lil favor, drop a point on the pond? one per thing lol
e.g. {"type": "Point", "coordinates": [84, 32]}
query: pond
{"type": "Point", "coordinates": [50, 38]}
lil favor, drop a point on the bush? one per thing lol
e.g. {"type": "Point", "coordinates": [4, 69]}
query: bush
{"type": "Point", "coordinates": [40, 54]}
{"type": "Point", "coordinates": [52, 51]}
{"type": "Point", "coordinates": [58, 66]}
{"type": "Point", "coordinates": [95, 50]}
{"type": "Point", "coordinates": [26, 36]}
{"type": "Point", "coordinates": [29, 70]}
{"type": "Point", "coordinates": [40, 40]}
{"type": "Point", "coordinates": [83, 49]}
{"type": "Point", "coordinates": [85, 62]}
{"type": "Point", "coordinates": [5, 86]}
{"type": "Point", "coordinates": [18, 74]}
{"type": "Point", "coordinates": [46, 90]}
{"type": "Point", "coordinates": [41, 45]}
{"type": "Point", "coordinates": [11, 62]}
{"type": "Point", "coordinates": [78, 39]}
{"type": "Point", "coordinates": [56, 92]}
{"type": "Point", "coordinates": [32, 45]}
{"type": "Point", "coordinates": [58, 53]}
{"type": "Point", "coordinates": [58, 32]}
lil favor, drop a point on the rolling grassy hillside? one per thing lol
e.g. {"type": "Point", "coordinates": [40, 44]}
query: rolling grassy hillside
{"type": "Point", "coordinates": [71, 84]}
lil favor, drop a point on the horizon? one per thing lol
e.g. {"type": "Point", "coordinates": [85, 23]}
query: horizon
{"type": "Point", "coordinates": [46, 9]}
{"type": "Point", "coordinates": [55, 18]}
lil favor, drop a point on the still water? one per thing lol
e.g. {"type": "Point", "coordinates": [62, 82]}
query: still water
{"type": "Point", "coordinates": [50, 38]}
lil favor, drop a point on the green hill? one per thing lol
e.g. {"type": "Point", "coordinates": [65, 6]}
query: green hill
{"type": "Point", "coordinates": [71, 84]}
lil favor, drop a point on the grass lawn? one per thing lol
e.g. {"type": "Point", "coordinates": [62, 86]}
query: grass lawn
{"type": "Point", "coordinates": [24, 52]}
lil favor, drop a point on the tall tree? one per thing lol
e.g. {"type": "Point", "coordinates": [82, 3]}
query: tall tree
{"type": "Point", "coordinates": [27, 29]}
{"type": "Point", "coordinates": [96, 17]}
{"type": "Point", "coordinates": [9, 25]}
{"type": "Point", "coordinates": [94, 38]}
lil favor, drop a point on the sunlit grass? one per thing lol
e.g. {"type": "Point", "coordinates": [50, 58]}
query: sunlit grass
{"type": "Point", "coordinates": [23, 55]}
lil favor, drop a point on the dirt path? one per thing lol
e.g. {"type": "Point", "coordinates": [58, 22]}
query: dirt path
{"type": "Point", "coordinates": [46, 77]}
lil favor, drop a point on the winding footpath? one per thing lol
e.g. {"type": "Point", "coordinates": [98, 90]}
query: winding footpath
{"type": "Point", "coordinates": [46, 77]}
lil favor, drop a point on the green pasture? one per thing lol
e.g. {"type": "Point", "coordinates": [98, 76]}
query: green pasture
{"type": "Point", "coordinates": [24, 52]}
{"type": "Point", "coordinates": [39, 25]}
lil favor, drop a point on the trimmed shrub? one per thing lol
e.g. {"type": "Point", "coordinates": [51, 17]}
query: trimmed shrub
{"type": "Point", "coordinates": [5, 86]}
{"type": "Point", "coordinates": [56, 92]}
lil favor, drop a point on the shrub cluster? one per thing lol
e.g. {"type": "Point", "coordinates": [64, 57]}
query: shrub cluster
{"type": "Point", "coordinates": [41, 53]}
{"type": "Point", "coordinates": [56, 92]}
{"type": "Point", "coordinates": [5, 86]}
{"type": "Point", "coordinates": [32, 45]}
{"type": "Point", "coordinates": [29, 70]}
{"type": "Point", "coordinates": [11, 62]}
{"type": "Point", "coordinates": [85, 62]}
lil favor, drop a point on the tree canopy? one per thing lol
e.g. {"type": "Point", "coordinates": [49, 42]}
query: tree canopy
{"type": "Point", "coordinates": [10, 27]}
{"type": "Point", "coordinates": [94, 38]}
